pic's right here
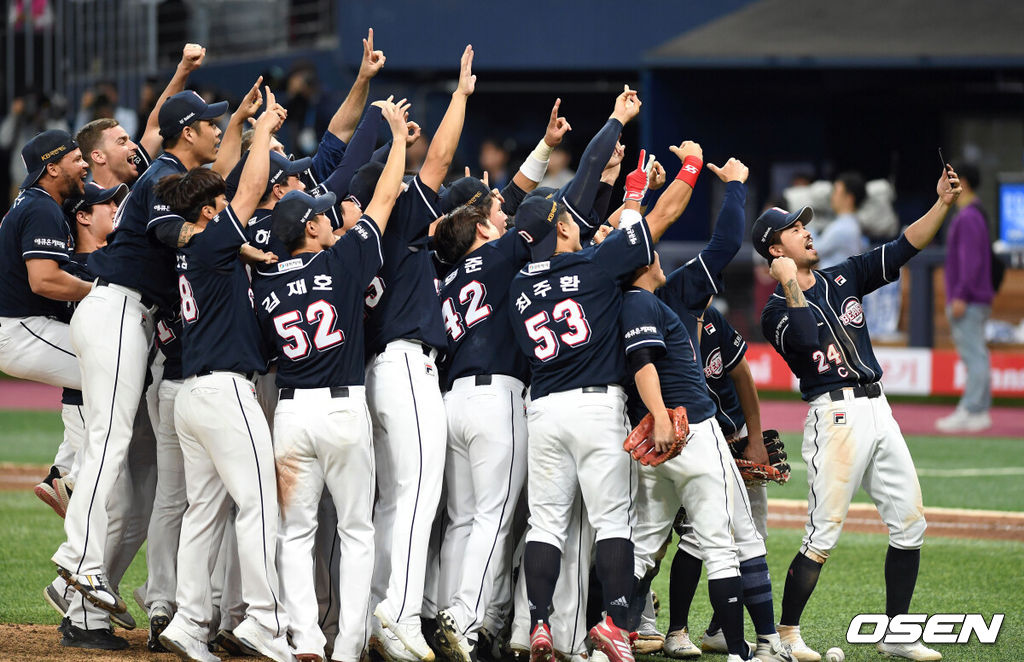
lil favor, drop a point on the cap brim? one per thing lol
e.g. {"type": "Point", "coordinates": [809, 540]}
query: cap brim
{"type": "Point", "coordinates": [214, 110]}
{"type": "Point", "coordinates": [544, 248]}
{"type": "Point", "coordinates": [324, 202]}
{"type": "Point", "coordinates": [805, 216]}
{"type": "Point", "coordinates": [32, 178]}
{"type": "Point", "coordinates": [299, 166]}
{"type": "Point", "coordinates": [116, 193]}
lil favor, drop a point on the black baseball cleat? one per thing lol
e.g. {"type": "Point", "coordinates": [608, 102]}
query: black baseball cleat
{"type": "Point", "coordinates": [75, 637]}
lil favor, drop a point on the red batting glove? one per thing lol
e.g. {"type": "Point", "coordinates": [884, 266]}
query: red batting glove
{"type": "Point", "coordinates": [636, 181]}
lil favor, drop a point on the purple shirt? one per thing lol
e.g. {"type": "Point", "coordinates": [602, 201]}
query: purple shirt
{"type": "Point", "coordinates": [969, 257]}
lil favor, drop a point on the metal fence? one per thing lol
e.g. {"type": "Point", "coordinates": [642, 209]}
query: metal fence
{"type": "Point", "coordinates": [60, 48]}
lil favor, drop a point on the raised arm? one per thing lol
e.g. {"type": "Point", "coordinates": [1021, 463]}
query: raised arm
{"type": "Point", "coordinates": [231, 142]}
{"type": "Point", "coordinates": [343, 124]}
{"type": "Point", "coordinates": [253, 181]}
{"type": "Point", "coordinates": [921, 232]}
{"type": "Point", "coordinates": [446, 139]}
{"type": "Point", "coordinates": [389, 186]}
{"type": "Point", "coordinates": [802, 325]}
{"type": "Point", "coordinates": [191, 59]}
{"type": "Point", "coordinates": [727, 238]}
{"type": "Point", "coordinates": [675, 198]}
{"type": "Point", "coordinates": [536, 164]}
{"type": "Point", "coordinates": [358, 151]}
{"type": "Point", "coordinates": [579, 194]}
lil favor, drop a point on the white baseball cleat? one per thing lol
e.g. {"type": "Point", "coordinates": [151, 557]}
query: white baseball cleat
{"type": "Point", "coordinates": [790, 634]}
{"type": "Point", "coordinates": [771, 648]}
{"type": "Point", "coordinates": [648, 639]}
{"type": "Point", "coordinates": [95, 590]}
{"type": "Point", "coordinates": [678, 645]}
{"type": "Point", "coordinates": [715, 643]}
{"type": "Point", "coordinates": [385, 643]}
{"type": "Point", "coordinates": [252, 635]}
{"type": "Point", "coordinates": [411, 635]}
{"type": "Point", "coordinates": [185, 646]}
{"type": "Point", "coordinates": [914, 651]}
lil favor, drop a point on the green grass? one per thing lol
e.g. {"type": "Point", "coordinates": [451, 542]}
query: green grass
{"type": "Point", "coordinates": [31, 533]}
{"type": "Point", "coordinates": [957, 576]}
{"type": "Point", "coordinates": [29, 437]}
{"type": "Point", "coordinates": [940, 454]}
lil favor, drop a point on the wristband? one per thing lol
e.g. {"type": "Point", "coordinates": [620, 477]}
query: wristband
{"type": "Point", "coordinates": [691, 169]}
{"type": "Point", "coordinates": [536, 164]}
{"type": "Point", "coordinates": [629, 217]}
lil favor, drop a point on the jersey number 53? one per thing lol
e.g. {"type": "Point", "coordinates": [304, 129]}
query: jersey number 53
{"type": "Point", "coordinates": [548, 345]}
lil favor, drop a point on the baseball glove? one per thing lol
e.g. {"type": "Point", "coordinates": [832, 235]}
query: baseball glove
{"type": "Point", "coordinates": [639, 444]}
{"type": "Point", "coordinates": [777, 468]}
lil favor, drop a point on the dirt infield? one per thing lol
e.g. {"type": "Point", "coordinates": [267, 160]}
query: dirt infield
{"type": "Point", "coordinates": [42, 642]}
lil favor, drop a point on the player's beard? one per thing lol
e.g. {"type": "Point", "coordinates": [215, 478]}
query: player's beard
{"type": "Point", "coordinates": [73, 185]}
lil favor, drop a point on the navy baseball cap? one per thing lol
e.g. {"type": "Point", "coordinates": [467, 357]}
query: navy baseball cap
{"type": "Point", "coordinates": [772, 221]}
{"type": "Point", "coordinates": [364, 182]}
{"type": "Point", "coordinates": [184, 108]}
{"type": "Point", "coordinates": [95, 195]}
{"type": "Point", "coordinates": [465, 191]}
{"type": "Point", "coordinates": [281, 168]}
{"type": "Point", "coordinates": [294, 210]}
{"type": "Point", "coordinates": [47, 147]}
{"type": "Point", "coordinates": [535, 222]}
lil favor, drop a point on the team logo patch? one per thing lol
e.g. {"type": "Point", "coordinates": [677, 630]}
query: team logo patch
{"type": "Point", "coordinates": [713, 365]}
{"type": "Point", "coordinates": [430, 370]}
{"type": "Point", "coordinates": [709, 328]}
{"type": "Point", "coordinates": [853, 313]}
{"type": "Point", "coordinates": [840, 279]}
{"type": "Point", "coordinates": [839, 418]}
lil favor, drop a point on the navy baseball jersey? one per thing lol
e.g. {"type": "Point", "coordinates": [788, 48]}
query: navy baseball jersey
{"type": "Point", "coordinates": [77, 267]}
{"type": "Point", "coordinates": [310, 308]}
{"type": "Point", "coordinates": [325, 161]}
{"type": "Point", "coordinates": [34, 228]}
{"type": "Point", "coordinates": [219, 327]}
{"type": "Point", "coordinates": [565, 312]}
{"type": "Point", "coordinates": [720, 348]}
{"type": "Point", "coordinates": [475, 306]}
{"type": "Point", "coordinates": [134, 257]}
{"type": "Point", "coordinates": [402, 301]}
{"type": "Point", "coordinates": [827, 345]}
{"type": "Point", "coordinates": [260, 236]}
{"type": "Point", "coordinates": [648, 323]}
{"type": "Point", "coordinates": [168, 341]}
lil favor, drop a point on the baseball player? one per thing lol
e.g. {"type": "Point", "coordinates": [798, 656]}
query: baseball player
{"type": "Point", "coordinates": [566, 307]}
{"type": "Point", "coordinates": [224, 437]}
{"type": "Point", "coordinates": [667, 374]}
{"type": "Point", "coordinates": [310, 307]}
{"type": "Point", "coordinates": [134, 276]}
{"type": "Point", "coordinates": [486, 463]}
{"type": "Point", "coordinates": [816, 322]}
{"type": "Point", "coordinates": [732, 389]}
{"type": "Point", "coordinates": [404, 332]}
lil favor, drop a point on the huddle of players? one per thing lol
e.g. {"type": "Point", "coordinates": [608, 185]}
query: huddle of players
{"type": "Point", "coordinates": [578, 290]}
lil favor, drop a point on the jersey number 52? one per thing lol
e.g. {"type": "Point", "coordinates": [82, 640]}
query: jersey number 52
{"type": "Point", "coordinates": [548, 345]}
{"type": "Point", "coordinates": [320, 313]}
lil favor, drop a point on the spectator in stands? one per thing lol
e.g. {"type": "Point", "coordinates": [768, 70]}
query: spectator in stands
{"type": "Point", "coordinates": [842, 237]}
{"type": "Point", "coordinates": [494, 159]}
{"type": "Point", "coordinates": [101, 102]}
{"type": "Point", "coordinates": [28, 115]}
{"type": "Point", "coordinates": [969, 297]}
{"type": "Point", "coordinates": [559, 173]}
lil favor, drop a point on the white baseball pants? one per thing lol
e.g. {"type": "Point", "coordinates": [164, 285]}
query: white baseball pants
{"type": "Point", "coordinates": [701, 479]}
{"type": "Point", "coordinates": [111, 332]}
{"type": "Point", "coordinates": [576, 440]}
{"type": "Point", "coordinates": [409, 433]}
{"type": "Point", "coordinates": [39, 349]}
{"type": "Point", "coordinates": [169, 504]}
{"type": "Point", "coordinates": [484, 475]}
{"type": "Point", "coordinates": [225, 444]}
{"type": "Point", "coordinates": [322, 440]}
{"type": "Point", "coordinates": [853, 443]}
